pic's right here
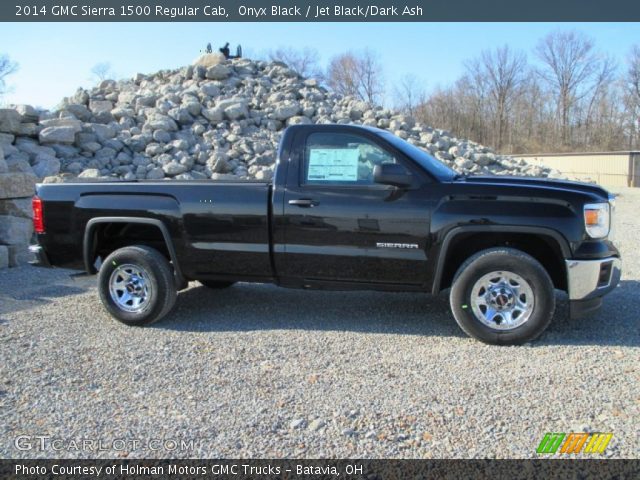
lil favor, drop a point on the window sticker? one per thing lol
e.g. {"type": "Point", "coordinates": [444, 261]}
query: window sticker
{"type": "Point", "coordinates": [333, 164]}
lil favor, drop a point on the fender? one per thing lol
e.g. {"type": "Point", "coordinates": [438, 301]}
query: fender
{"type": "Point", "coordinates": [451, 234]}
{"type": "Point", "coordinates": [87, 244]}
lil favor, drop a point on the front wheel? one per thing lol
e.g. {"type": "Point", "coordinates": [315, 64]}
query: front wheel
{"type": "Point", "coordinates": [136, 285]}
{"type": "Point", "coordinates": [502, 296]}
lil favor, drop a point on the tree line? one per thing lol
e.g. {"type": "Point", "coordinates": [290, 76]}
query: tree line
{"type": "Point", "coordinates": [566, 95]}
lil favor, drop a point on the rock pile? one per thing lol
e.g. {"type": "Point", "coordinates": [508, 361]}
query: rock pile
{"type": "Point", "coordinates": [211, 120]}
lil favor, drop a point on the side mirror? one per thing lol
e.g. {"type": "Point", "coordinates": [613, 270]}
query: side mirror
{"type": "Point", "coordinates": [392, 174]}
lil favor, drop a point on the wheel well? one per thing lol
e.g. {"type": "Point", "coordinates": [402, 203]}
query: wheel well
{"type": "Point", "coordinates": [543, 248]}
{"type": "Point", "coordinates": [109, 236]}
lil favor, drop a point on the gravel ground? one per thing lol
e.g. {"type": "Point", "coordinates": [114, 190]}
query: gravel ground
{"type": "Point", "coordinates": [260, 371]}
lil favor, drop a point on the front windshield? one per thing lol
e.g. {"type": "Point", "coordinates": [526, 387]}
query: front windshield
{"type": "Point", "coordinates": [429, 163]}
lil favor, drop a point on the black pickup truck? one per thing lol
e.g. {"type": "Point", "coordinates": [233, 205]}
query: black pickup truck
{"type": "Point", "coordinates": [349, 208]}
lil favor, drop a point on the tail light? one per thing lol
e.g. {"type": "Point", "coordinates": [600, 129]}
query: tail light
{"type": "Point", "coordinates": [38, 216]}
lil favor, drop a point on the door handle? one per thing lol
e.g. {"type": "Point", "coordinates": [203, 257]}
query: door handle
{"type": "Point", "coordinates": [304, 202]}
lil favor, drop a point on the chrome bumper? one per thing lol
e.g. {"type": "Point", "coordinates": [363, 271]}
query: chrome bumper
{"type": "Point", "coordinates": [38, 256]}
{"type": "Point", "coordinates": [592, 278]}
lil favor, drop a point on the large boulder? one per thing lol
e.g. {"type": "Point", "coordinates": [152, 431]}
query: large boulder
{"type": "Point", "coordinates": [4, 256]}
{"type": "Point", "coordinates": [58, 135]}
{"type": "Point", "coordinates": [218, 72]}
{"type": "Point", "coordinates": [209, 60]}
{"type": "Point", "coordinates": [16, 185]}
{"type": "Point", "coordinates": [46, 166]}
{"type": "Point", "coordinates": [286, 110]}
{"type": "Point", "coordinates": [15, 230]}
{"type": "Point", "coordinates": [10, 120]}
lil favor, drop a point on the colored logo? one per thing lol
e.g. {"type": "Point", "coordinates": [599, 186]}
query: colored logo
{"type": "Point", "coordinates": [574, 443]}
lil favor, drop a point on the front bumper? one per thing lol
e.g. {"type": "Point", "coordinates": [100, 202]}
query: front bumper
{"type": "Point", "coordinates": [588, 281]}
{"type": "Point", "coordinates": [38, 256]}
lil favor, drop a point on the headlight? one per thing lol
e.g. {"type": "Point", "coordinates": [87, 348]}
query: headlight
{"type": "Point", "coordinates": [597, 219]}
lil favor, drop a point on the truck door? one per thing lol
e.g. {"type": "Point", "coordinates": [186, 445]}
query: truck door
{"type": "Point", "coordinates": [341, 226]}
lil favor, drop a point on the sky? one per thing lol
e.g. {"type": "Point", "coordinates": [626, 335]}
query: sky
{"type": "Point", "coordinates": [56, 58]}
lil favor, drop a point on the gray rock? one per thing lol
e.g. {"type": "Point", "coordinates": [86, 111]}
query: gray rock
{"type": "Point", "coordinates": [74, 167]}
{"type": "Point", "coordinates": [81, 112]}
{"type": "Point", "coordinates": [174, 168]}
{"type": "Point", "coordinates": [286, 110]}
{"type": "Point", "coordinates": [214, 115]}
{"type": "Point", "coordinates": [155, 174]}
{"type": "Point", "coordinates": [16, 185]}
{"type": "Point", "coordinates": [316, 425]}
{"type": "Point", "coordinates": [58, 135]}
{"type": "Point", "coordinates": [297, 423]}
{"type": "Point", "coordinates": [29, 114]}
{"type": "Point", "coordinates": [103, 132]}
{"type": "Point", "coordinates": [100, 106]}
{"type": "Point", "coordinates": [15, 230]}
{"type": "Point", "coordinates": [210, 89]}
{"type": "Point", "coordinates": [218, 72]}
{"type": "Point", "coordinates": [264, 175]}
{"type": "Point", "coordinates": [162, 122]}
{"type": "Point", "coordinates": [482, 159]}
{"type": "Point", "coordinates": [223, 176]}
{"type": "Point", "coordinates": [218, 162]}
{"type": "Point", "coordinates": [65, 151]}
{"type": "Point", "coordinates": [9, 121]}
{"type": "Point", "coordinates": [90, 173]}
{"type": "Point", "coordinates": [161, 136]}
{"type": "Point", "coordinates": [4, 256]}
{"type": "Point", "coordinates": [46, 166]}
{"type": "Point", "coordinates": [7, 138]}
{"type": "Point", "coordinates": [236, 111]}
{"type": "Point", "coordinates": [92, 147]}
{"type": "Point", "coordinates": [181, 115]}
{"type": "Point", "coordinates": [18, 164]}
{"type": "Point", "coordinates": [63, 122]}
{"type": "Point", "coordinates": [299, 120]}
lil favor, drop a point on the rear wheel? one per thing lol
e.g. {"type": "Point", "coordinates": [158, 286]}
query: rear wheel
{"type": "Point", "coordinates": [215, 285]}
{"type": "Point", "coordinates": [136, 285]}
{"type": "Point", "coordinates": [502, 296]}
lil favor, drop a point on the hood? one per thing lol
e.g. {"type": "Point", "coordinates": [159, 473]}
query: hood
{"type": "Point", "coordinates": [538, 182]}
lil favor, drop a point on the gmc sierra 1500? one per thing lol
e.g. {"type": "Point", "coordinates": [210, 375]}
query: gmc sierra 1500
{"type": "Point", "coordinates": [349, 208]}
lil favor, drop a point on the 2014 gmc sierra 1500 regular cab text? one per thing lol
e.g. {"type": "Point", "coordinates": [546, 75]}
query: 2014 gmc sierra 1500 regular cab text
{"type": "Point", "coordinates": [349, 208]}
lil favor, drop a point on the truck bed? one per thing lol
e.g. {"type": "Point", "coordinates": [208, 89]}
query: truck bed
{"type": "Point", "coordinates": [222, 223]}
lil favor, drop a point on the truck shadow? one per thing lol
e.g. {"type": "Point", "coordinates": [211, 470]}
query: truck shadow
{"type": "Point", "coordinates": [18, 290]}
{"type": "Point", "coordinates": [248, 307]}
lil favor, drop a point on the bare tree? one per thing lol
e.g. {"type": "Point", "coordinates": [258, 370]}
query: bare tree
{"type": "Point", "coordinates": [304, 62]}
{"type": "Point", "coordinates": [7, 67]}
{"type": "Point", "coordinates": [632, 95]}
{"type": "Point", "coordinates": [358, 74]}
{"type": "Point", "coordinates": [569, 65]}
{"type": "Point", "coordinates": [409, 94]}
{"type": "Point", "coordinates": [500, 74]}
{"type": "Point", "coordinates": [101, 71]}
{"type": "Point", "coordinates": [602, 79]}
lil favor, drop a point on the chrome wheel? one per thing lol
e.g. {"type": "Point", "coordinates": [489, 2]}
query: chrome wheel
{"type": "Point", "coordinates": [130, 288]}
{"type": "Point", "coordinates": [502, 300]}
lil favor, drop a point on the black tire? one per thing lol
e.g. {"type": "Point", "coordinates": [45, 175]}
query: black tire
{"type": "Point", "coordinates": [510, 261]}
{"type": "Point", "coordinates": [161, 286]}
{"type": "Point", "coordinates": [216, 285]}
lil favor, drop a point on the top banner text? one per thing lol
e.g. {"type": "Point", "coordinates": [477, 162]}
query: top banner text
{"type": "Point", "coordinates": [319, 11]}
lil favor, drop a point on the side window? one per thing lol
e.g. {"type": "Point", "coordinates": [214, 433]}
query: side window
{"type": "Point", "coordinates": [341, 159]}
